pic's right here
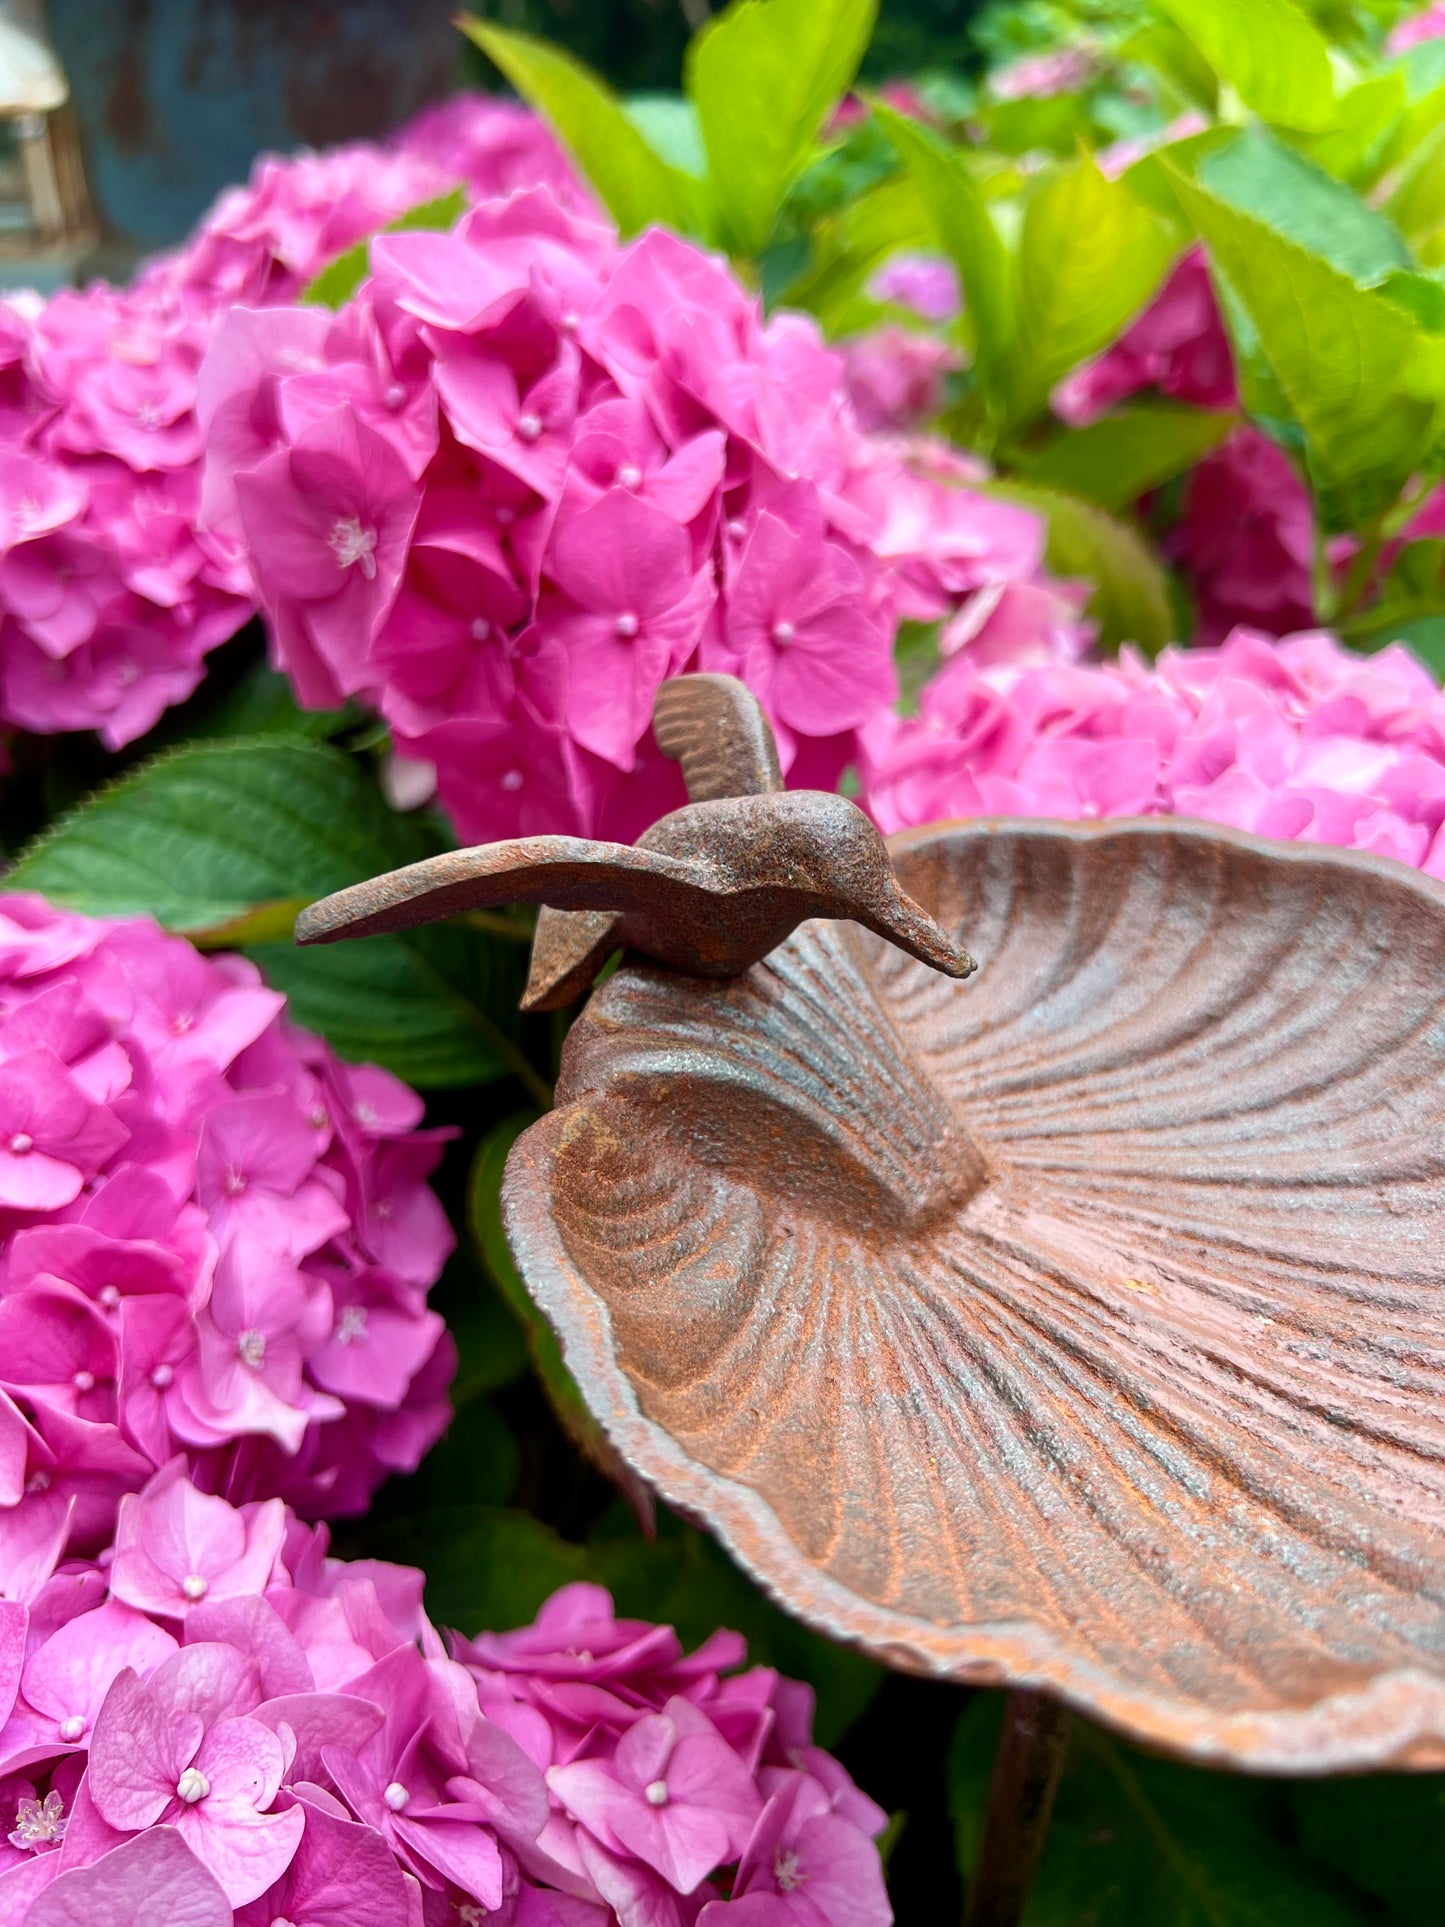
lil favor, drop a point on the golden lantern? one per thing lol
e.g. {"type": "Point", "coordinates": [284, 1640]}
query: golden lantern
{"type": "Point", "coordinates": [45, 215]}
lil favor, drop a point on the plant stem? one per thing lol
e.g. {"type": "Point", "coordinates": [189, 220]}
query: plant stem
{"type": "Point", "coordinates": [1357, 576]}
{"type": "Point", "coordinates": [1382, 528]}
{"type": "Point", "coordinates": [535, 1085]}
{"type": "Point", "coordinates": [497, 923]}
{"type": "Point", "coordinates": [1026, 1771]}
{"type": "Point", "coordinates": [1322, 589]}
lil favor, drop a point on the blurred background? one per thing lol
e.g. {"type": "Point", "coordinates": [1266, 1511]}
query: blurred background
{"type": "Point", "coordinates": [173, 99]}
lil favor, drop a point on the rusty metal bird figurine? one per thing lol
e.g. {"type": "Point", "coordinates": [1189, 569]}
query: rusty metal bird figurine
{"type": "Point", "coordinates": [707, 891]}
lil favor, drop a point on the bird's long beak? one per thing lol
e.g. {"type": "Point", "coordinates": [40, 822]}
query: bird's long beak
{"type": "Point", "coordinates": [908, 925]}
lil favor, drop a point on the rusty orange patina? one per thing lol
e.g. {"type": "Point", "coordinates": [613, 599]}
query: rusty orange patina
{"type": "Point", "coordinates": [1079, 1328]}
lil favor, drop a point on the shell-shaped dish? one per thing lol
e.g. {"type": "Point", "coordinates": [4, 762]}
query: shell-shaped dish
{"type": "Point", "coordinates": [1079, 1327]}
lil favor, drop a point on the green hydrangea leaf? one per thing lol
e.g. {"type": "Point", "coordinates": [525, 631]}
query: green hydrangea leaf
{"type": "Point", "coordinates": [1417, 201]}
{"type": "Point", "coordinates": [1119, 458]}
{"type": "Point", "coordinates": [1385, 1834]}
{"type": "Point", "coordinates": [670, 126]}
{"type": "Point", "coordinates": [965, 228]}
{"type": "Point", "coordinates": [1090, 256]}
{"type": "Point", "coordinates": [1290, 195]}
{"type": "Point", "coordinates": [1354, 368]}
{"type": "Point", "coordinates": [225, 841]}
{"type": "Point", "coordinates": [635, 182]}
{"type": "Point", "coordinates": [1140, 1842]}
{"type": "Point", "coordinates": [1269, 51]}
{"type": "Point", "coordinates": [763, 76]}
{"type": "Point", "coordinates": [846, 249]}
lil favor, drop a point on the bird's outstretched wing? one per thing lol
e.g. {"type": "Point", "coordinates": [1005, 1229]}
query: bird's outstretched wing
{"type": "Point", "coordinates": [714, 727]}
{"type": "Point", "coordinates": [567, 872]}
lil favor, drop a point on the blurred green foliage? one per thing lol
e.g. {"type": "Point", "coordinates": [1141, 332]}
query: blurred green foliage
{"type": "Point", "coordinates": [637, 45]}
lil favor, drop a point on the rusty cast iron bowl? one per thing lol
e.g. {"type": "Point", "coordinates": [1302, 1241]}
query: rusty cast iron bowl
{"type": "Point", "coordinates": [1079, 1327]}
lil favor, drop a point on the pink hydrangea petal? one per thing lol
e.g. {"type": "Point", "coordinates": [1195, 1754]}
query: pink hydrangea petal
{"type": "Point", "coordinates": [138, 1751]}
{"type": "Point", "coordinates": [343, 1875]}
{"type": "Point", "coordinates": [22, 1884]}
{"type": "Point", "coordinates": [37, 1182]}
{"type": "Point", "coordinates": [68, 1678]}
{"type": "Point", "coordinates": [151, 1877]}
{"type": "Point", "coordinates": [752, 1910]}
{"type": "Point", "coordinates": [460, 1851]}
{"type": "Point", "coordinates": [13, 1620]}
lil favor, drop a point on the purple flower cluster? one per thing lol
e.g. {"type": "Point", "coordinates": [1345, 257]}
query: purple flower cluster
{"type": "Point", "coordinates": [1298, 739]}
{"type": "Point", "coordinates": [215, 1239]}
{"type": "Point", "coordinates": [1245, 537]}
{"type": "Point", "coordinates": [110, 594]}
{"type": "Point", "coordinates": [896, 378]}
{"type": "Point", "coordinates": [528, 474]}
{"type": "Point", "coordinates": [220, 1726]}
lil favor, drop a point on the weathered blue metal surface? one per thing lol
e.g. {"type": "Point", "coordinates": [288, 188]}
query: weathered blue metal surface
{"type": "Point", "coordinates": [177, 97]}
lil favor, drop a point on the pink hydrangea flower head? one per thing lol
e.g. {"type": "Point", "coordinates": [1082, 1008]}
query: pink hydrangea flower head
{"type": "Point", "coordinates": [799, 625]}
{"type": "Point", "coordinates": [896, 378]}
{"type": "Point", "coordinates": [495, 147]}
{"type": "Point", "coordinates": [53, 1137]}
{"type": "Point", "coordinates": [112, 588]}
{"type": "Point", "coordinates": [415, 1781]}
{"type": "Point", "coordinates": [804, 1866]}
{"type": "Point", "coordinates": [329, 520]}
{"type": "Point", "coordinates": [32, 1536]}
{"type": "Point", "coordinates": [343, 1875]}
{"type": "Point", "coordinates": [109, 596]}
{"type": "Point", "coordinates": [66, 1680]}
{"type": "Point", "coordinates": [1038, 76]}
{"type": "Point", "coordinates": [215, 1241]}
{"type": "Point", "coordinates": [674, 1795]}
{"type": "Point", "coordinates": [1297, 739]}
{"type": "Point", "coordinates": [576, 1635]}
{"type": "Point", "coordinates": [255, 1175]}
{"type": "Point", "coordinates": [632, 474]}
{"type": "Point", "coordinates": [631, 610]}
{"type": "Point", "coordinates": [926, 283]}
{"type": "Point", "coordinates": [1246, 539]}
{"type": "Point", "coordinates": [236, 395]}
{"type": "Point", "coordinates": [310, 1755]}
